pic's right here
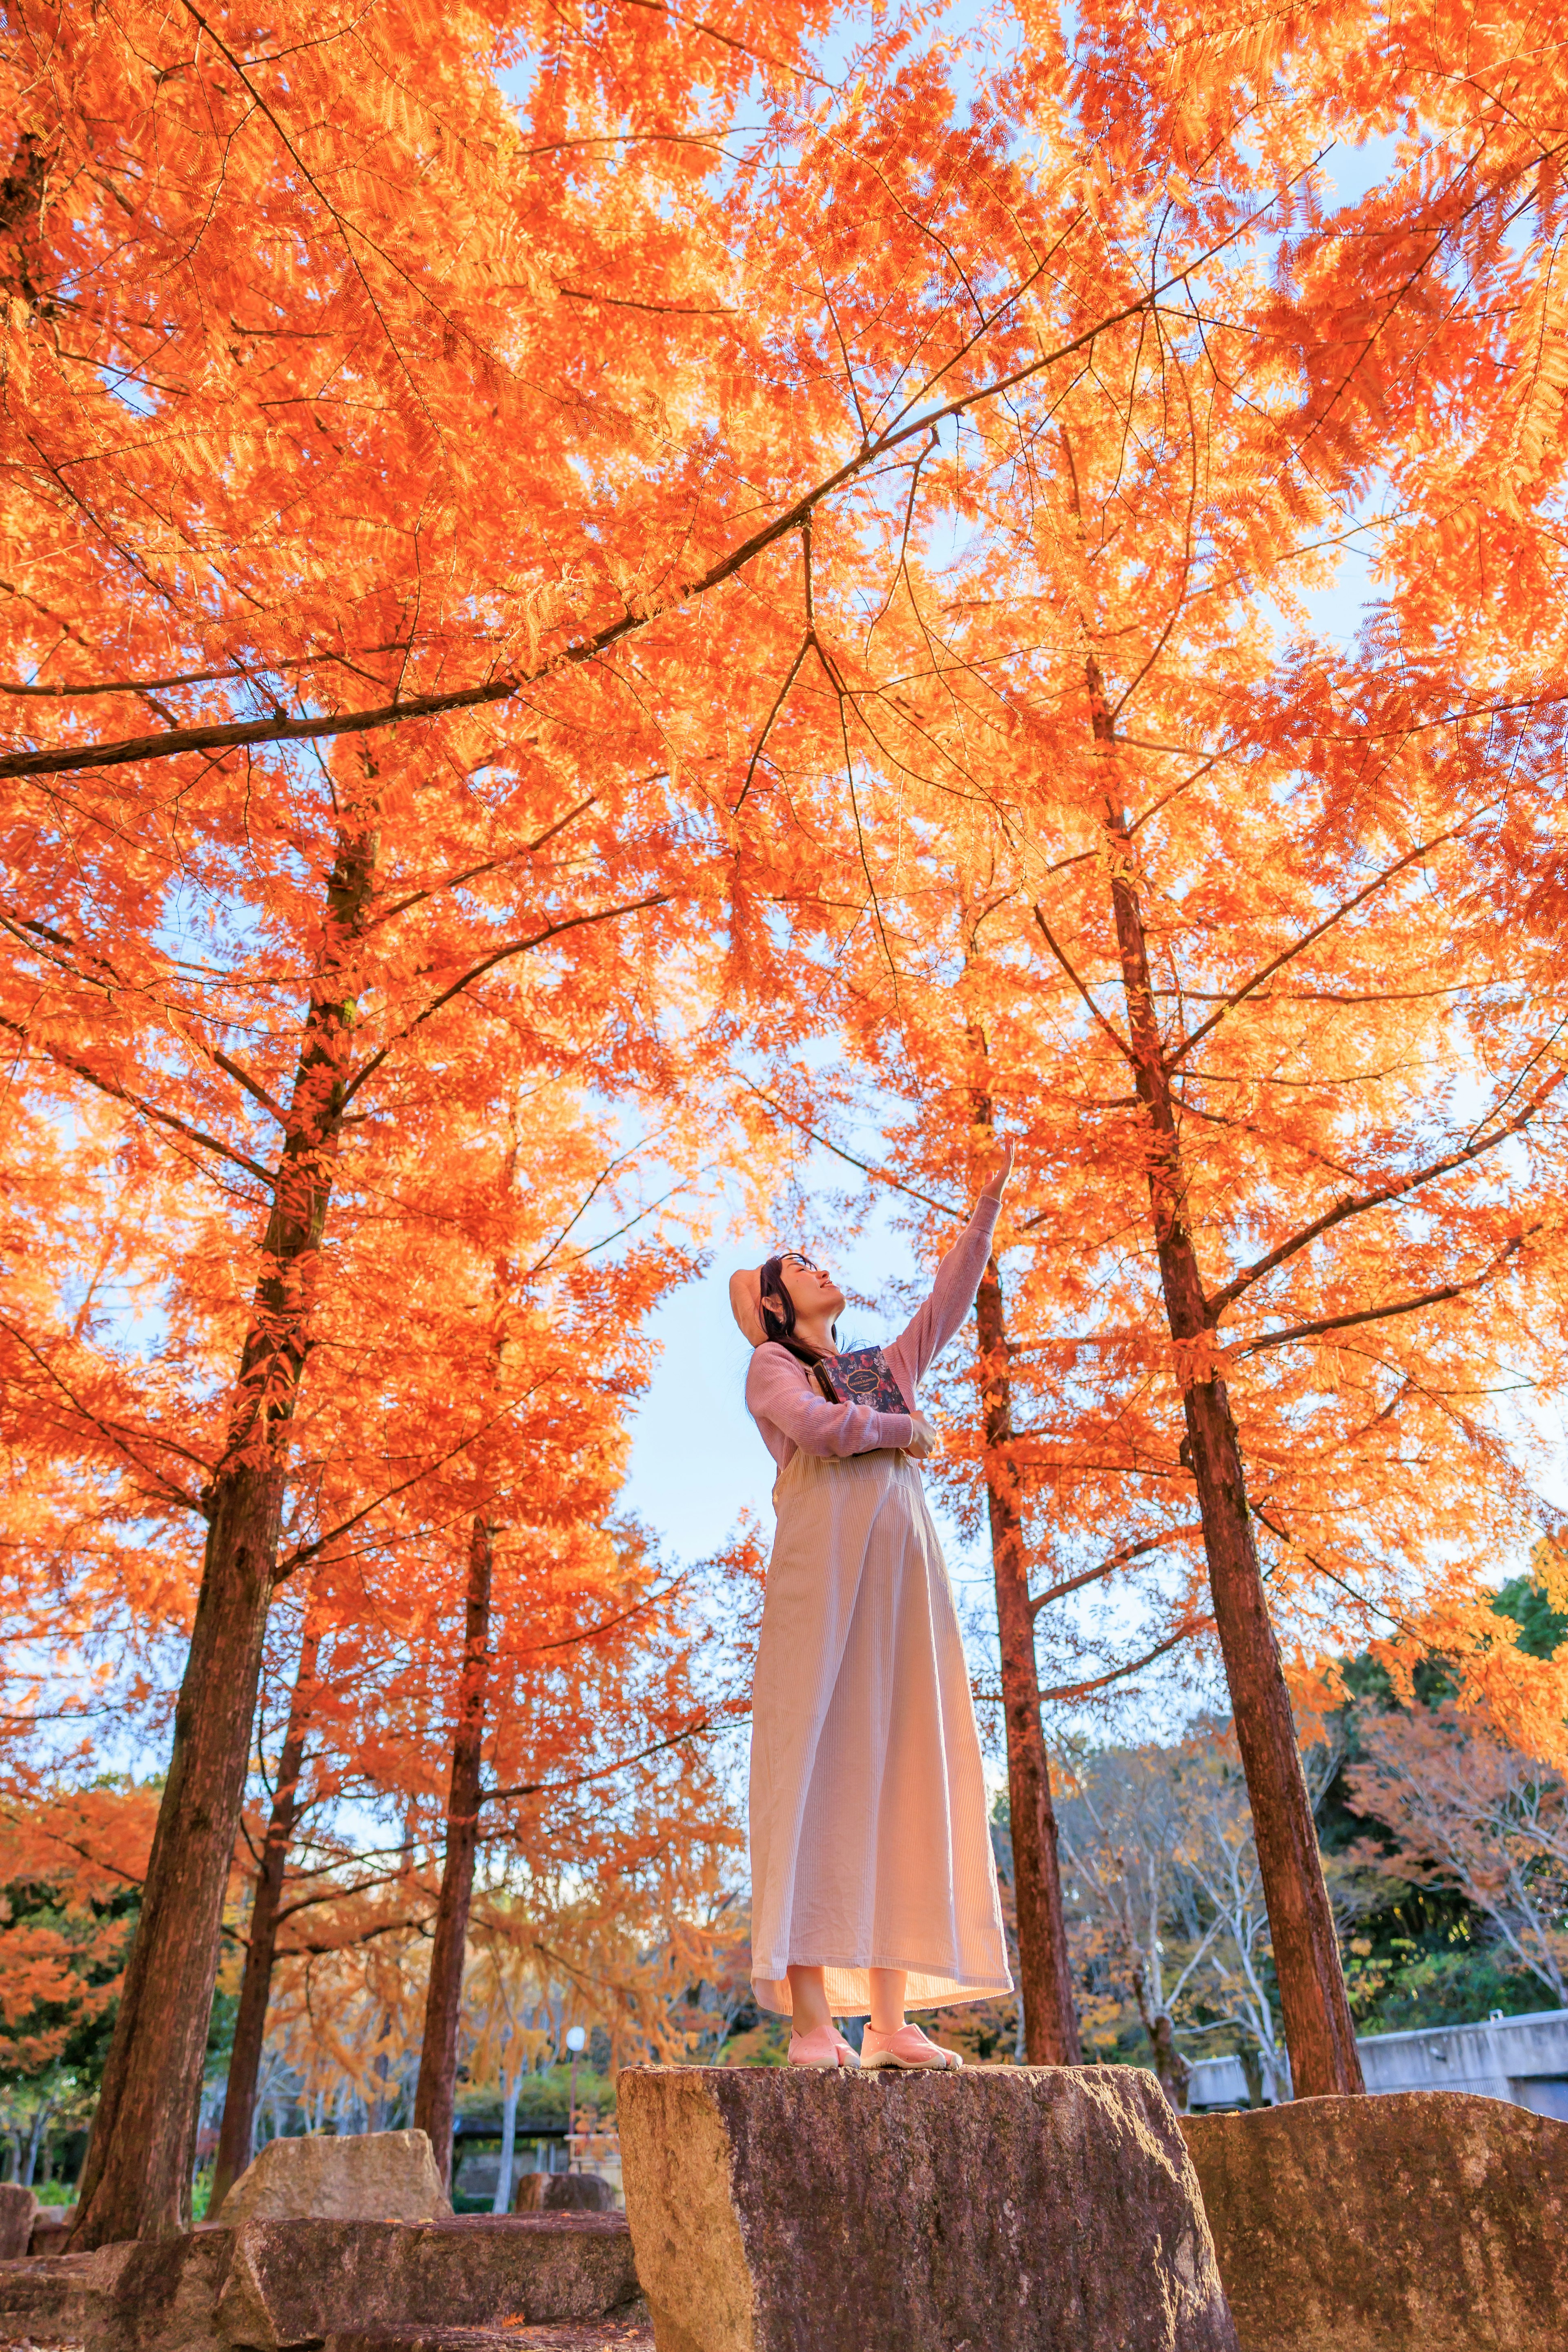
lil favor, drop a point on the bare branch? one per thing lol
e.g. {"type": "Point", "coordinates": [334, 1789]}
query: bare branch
{"type": "Point", "coordinates": [1065, 1692]}
{"type": "Point", "coordinates": [1131, 1551]}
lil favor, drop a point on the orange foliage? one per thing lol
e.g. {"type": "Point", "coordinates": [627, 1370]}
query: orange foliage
{"type": "Point", "coordinates": [65, 1858]}
{"type": "Point", "coordinates": [1472, 1811]}
{"type": "Point", "coordinates": [556, 564]}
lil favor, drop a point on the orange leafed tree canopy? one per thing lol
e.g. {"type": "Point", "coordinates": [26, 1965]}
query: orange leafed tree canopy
{"type": "Point", "coordinates": [565, 570]}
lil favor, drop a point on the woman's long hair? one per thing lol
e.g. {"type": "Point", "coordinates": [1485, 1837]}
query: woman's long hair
{"type": "Point", "coordinates": [777, 1310]}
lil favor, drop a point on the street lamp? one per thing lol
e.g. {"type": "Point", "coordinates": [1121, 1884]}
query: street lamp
{"type": "Point", "coordinates": [577, 2041]}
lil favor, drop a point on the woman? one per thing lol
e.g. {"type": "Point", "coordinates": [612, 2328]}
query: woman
{"type": "Point", "coordinates": [872, 1878]}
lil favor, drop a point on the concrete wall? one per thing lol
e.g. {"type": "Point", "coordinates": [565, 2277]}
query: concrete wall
{"type": "Point", "coordinates": [1522, 2059]}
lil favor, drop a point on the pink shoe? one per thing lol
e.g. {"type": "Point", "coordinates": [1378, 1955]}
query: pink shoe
{"type": "Point", "coordinates": [907, 2047]}
{"type": "Point", "coordinates": [823, 2046]}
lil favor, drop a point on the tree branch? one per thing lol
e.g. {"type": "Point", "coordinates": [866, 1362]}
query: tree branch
{"type": "Point", "coordinates": [1299, 946]}
{"type": "Point", "coordinates": [1383, 1314]}
{"type": "Point", "coordinates": [1109, 1027]}
{"type": "Point", "coordinates": [428, 1470]}
{"type": "Point", "coordinates": [1353, 1204]}
{"type": "Point", "coordinates": [471, 873]}
{"type": "Point", "coordinates": [551, 1788]}
{"type": "Point", "coordinates": [71, 759]}
{"type": "Point", "coordinates": [188, 677]}
{"type": "Point", "coordinates": [118, 1093]}
{"type": "Point", "coordinates": [1107, 1567]}
{"type": "Point", "coordinates": [488, 963]}
{"type": "Point", "coordinates": [878, 1175]}
{"type": "Point", "coordinates": [1067, 1691]}
{"type": "Point", "coordinates": [73, 948]}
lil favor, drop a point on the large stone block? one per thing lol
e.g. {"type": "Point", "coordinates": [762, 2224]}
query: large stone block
{"type": "Point", "coordinates": [17, 2207]}
{"type": "Point", "coordinates": [370, 2177]}
{"type": "Point", "coordinates": [277, 2284]}
{"type": "Point", "coordinates": [51, 2299]}
{"type": "Point", "coordinates": [292, 2282]}
{"type": "Point", "coordinates": [998, 2210]}
{"type": "Point", "coordinates": [52, 2225]}
{"type": "Point", "coordinates": [164, 2294]}
{"type": "Point", "coordinates": [562, 2192]}
{"type": "Point", "coordinates": [632, 2333]}
{"type": "Point", "coordinates": [1423, 2222]}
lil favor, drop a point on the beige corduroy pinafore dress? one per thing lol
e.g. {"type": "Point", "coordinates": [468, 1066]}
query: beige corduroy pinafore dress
{"type": "Point", "coordinates": [869, 1832]}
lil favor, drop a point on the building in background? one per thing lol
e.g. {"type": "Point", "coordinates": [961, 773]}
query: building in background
{"type": "Point", "coordinates": [1522, 2059]}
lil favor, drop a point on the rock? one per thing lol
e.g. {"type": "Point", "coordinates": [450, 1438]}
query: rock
{"type": "Point", "coordinates": [371, 2176]}
{"type": "Point", "coordinates": [562, 2192]}
{"type": "Point", "coordinates": [164, 2295]}
{"type": "Point", "coordinates": [1420, 2221]}
{"type": "Point", "coordinates": [1002, 2210]}
{"type": "Point", "coordinates": [17, 2207]}
{"type": "Point", "coordinates": [286, 2287]}
{"type": "Point", "coordinates": [633, 2333]}
{"type": "Point", "coordinates": [274, 2283]}
{"type": "Point", "coordinates": [52, 2225]}
{"type": "Point", "coordinates": [50, 2299]}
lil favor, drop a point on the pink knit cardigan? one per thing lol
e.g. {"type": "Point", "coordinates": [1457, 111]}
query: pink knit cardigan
{"type": "Point", "coordinates": [791, 1410]}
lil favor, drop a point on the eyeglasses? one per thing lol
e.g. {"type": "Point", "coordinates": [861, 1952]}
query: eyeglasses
{"type": "Point", "coordinates": [795, 1257]}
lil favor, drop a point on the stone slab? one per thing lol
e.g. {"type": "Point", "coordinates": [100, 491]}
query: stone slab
{"type": "Point", "coordinates": [278, 2283]}
{"type": "Point", "coordinates": [1418, 2221]}
{"type": "Point", "coordinates": [17, 2207]}
{"type": "Point", "coordinates": [164, 2296]}
{"type": "Point", "coordinates": [562, 2192]}
{"type": "Point", "coordinates": [291, 2282]}
{"type": "Point", "coordinates": [367, 2176]}
{"type": "Point", "coordinates": [633, 2333]}
{"type": "Point", "coordinates": [50, 2299]}
{"type": "Point", "coordinates": [52, 2225]}
{"type": "Point", "coordinates": [997, 2209]}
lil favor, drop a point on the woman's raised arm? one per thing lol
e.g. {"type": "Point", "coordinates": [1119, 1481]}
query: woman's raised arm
{"type": "Point", "coordinates": [933, 1324]}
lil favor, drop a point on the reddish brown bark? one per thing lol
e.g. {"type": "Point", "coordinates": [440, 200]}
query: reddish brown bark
{"type": "Point", "coordinates": [1044, 1969]}
{"type": "Point", "coordinates": [137, 2180]}
{"type": "Point", "coordinates": [435, 2097]}
{"type": "Point", "coordinates": [238, 2126]}
{"type": "Point", "coordinates": [1319, 2030]}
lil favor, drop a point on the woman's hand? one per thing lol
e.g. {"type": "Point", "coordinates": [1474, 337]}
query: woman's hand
{"type": "Point", "coordinates": [925, 1440]}
{"type": "Point", "coordinates": [1000, 1172]}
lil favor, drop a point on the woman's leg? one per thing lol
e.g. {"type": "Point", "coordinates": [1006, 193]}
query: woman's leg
{"type": "Point", "coordinates": [887, 1999]}
{"type": "Point", "coordinates": [888, 2039]}
{"type": "Point", "coordinates": [808, 1995]}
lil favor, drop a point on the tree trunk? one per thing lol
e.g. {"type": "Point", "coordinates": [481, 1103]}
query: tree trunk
{"type": "Point", "coordinates": [1044, 1969]}
{"type": "Point", "coordinates": [511, 2090]}
{"type": "Point", "coordinates": [237, 2129]}
{"type": "Point", "coordinates": [1252, 2072]}
{"type": "Point", "coordinates": [40, 2124]}
{"type": "Point", "coordinates": [433, 2106]}
{"type": "Point", "coordinates": [1318, 2026]}
{"type": "Point", "coordinates": [1172, 2067]}
{"type": "Point", "coordinates": [137, 2180]}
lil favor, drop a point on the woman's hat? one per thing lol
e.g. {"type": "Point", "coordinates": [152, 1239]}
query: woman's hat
{"type": "Point", "coordinates": [746, 1302]}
